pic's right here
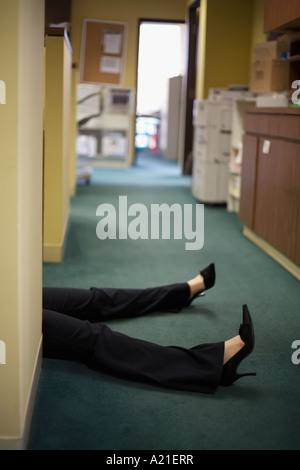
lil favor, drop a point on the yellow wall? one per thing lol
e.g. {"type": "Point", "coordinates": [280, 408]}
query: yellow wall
{"type": "Point", "coordinates": [21, 156]}
{"type": "Point", "coordinates": [57, 121]}
{"type": "Point", "coordinates": [201, 60]}
{"type": "Point", "coordinates": [73, 131]}
{"type": "Point", "coordinates": [225, 43]}
{"type": "Point", "coordinates": [258, 34]}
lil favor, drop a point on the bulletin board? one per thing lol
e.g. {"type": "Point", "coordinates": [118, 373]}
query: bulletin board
{"type": "Point", "coordinates": [103, 52]}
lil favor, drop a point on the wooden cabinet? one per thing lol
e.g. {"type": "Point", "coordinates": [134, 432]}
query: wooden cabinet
{"type": "Point", "coordinates": [270, 191]}
{"type": "Point", "coordinates": [277, 211]}
{"type": "Point", "coordinates": [248, 185]}
{"type": "Point", "coordinates": [282, 15]}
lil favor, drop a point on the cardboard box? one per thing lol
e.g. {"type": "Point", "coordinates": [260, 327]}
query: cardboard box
{"type": "Point", "coordinates": [286, 40]}
{"type": "Point", "coordinates": [269, 75]}
{"type": "Point", "coordinates": [270, 50]}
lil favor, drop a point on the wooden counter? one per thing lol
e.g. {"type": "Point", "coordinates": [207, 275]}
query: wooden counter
{"type": "Point", "coordinates": [270, 192]}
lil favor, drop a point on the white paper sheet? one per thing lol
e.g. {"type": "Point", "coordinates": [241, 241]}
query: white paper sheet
{"type": "Point", "coordinates": [110, 64]}
{"type": "Point", "coordinates": [112, 43]}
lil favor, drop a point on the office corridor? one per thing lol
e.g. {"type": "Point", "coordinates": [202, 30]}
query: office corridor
{"type": "Point", "coordinates": [78, 408]}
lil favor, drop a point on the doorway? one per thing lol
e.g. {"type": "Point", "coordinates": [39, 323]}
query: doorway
{"type": "Point", "coordinates": [161, 63]}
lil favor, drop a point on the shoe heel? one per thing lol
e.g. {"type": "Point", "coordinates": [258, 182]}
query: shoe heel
{"type": "Point", "coordinates": [247, 374]}
{"type": "Point", "coordinates": [228, 379]}
{"type": "Point", "coordinates": [230, 375]}
{"type": "Point", "coordinates": [246, 316]}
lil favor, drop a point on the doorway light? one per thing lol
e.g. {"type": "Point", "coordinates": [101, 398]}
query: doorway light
{"type": "Point", "coordinates": [160, 58]}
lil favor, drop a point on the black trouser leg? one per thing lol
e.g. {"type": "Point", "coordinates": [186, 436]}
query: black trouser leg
{"type": "Point", "coordinates": [197, 369]}
{"type": "Point", "coordinates": [100, 304]}
{"type": "Point", "coordinates": [65, 337]}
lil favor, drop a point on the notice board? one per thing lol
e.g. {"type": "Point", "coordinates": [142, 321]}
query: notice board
{"type": "Point", "coordinates": [103, 52]}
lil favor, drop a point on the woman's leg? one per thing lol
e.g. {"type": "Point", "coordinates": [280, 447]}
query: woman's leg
{"type": "Point", "coordinates": [100, 304]}
{"type": "Point", "coordinates": [66, 337]}
{"type": "Point", "coordinates": [198, 369]}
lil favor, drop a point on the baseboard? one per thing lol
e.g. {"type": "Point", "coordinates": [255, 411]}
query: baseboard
{"type": "Point", "coordinates": [54, 253]}
{"type": "Point", "coordinates": [271, 251]}
{"type": "Point", "coordinates": [20, 443]}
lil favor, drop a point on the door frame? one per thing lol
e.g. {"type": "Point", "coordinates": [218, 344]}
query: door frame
{"type": "Point", "coordinates": [190, 85]}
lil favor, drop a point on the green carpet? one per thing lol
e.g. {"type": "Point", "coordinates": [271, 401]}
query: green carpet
{"type": "Point", "coordinates": [78, 408]}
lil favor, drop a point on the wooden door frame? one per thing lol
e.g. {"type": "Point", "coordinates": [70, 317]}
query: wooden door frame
{"type": "Point", "coordinates": [190, 84]}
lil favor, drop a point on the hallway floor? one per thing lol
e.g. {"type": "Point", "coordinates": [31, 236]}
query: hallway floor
{"type": "Point", "coordinates": [78, 408]}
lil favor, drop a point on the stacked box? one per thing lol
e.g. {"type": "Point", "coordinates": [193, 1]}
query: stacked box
{"type": "Point", "coordinates": [270, 71]}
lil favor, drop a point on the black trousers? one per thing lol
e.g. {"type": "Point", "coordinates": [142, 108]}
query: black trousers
{"type": "Point", "coordinates": [73, 330]}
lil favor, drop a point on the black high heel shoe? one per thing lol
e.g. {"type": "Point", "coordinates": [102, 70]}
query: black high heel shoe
{"type": "Point", "coordinates": [246, 332]}
{"type": "Point", "coordinates": [209, 276]}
